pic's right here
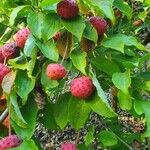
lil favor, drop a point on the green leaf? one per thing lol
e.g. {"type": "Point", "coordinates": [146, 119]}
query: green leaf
{"type": "Point", "coordinates": [48, 3]}
{"type": "Point", "coordinates": [103, 64]}
{"type": "Point", "coordinates": [62, 106]}
{"type": "Point", "coordinates": [122, 81]}
{"type": "Point", "coordinates": [19, 62]}
{"type": "Point", "coordinates": [44, 26]}
{"type": "Point", "coordinates": [29, 113]}
{"type": "Point", "coordinates": [141, 107]}
{"type": "Point", "coordinates": [125, 101]}
{"type": "Point", "coordinates": [75, 26]}
{"type": "Point", "coordinates": [49, 50]}
{"type": "Point", "coordinates": [78, 58]}
{"type": "Point", "coordinates": [46, 82]}
{"type": "Point", "coordinates": [16, 113]}
{"type": "Point", "coordinates": [35, 22]}
{"type": "Point", "coordinates": [89, 138]}
{"type": "Point", "coordinates": [90, 33]}
{"type": "Point", "coordinates": [106, 7]}
{"type": "Point", "coordinates": [26, 145]}
{"type": "Point", "coordinates": [100, 91]}
{"type": "Point", "coordinates": [100, 107]}
{"type": "Point", "coordinates": [24, 85]}
{"type": "Point", "coordinates": [78, 112]}
{"type": "Point", "coordinates": [30, 46]}
{"type": "Point", "coordinates": [8, 82]}
{"type": "Point", "coordinates": [16, 11]}
{"type": "Point", "coordinates": [124, 7]}
{"type": "Point", "coordinates": [48, 119]}
{"type": "Point", "coordinates": [119, 41]}
{"type": "Point", "coordinates": [108, 138]}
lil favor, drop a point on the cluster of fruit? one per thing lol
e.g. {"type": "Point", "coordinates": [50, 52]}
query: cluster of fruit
{"type": "Point", "coordinates": [11, 50]}
{"type": "Point", "coordinates": [81, 87]}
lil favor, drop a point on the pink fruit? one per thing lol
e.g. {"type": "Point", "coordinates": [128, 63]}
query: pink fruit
{"type": "Point", "coordinates": [82, 87]}
{"type": "Point", "coordinates": [67, 9]}
{"type": "Point", "coordinates": [1, 55]}
{"type": "Point", "coordinates": [10, 50]}
{"type": "Point", "coordinates": [55, 71]}
{"type": "Point", "coordinates": [68, 146]}
{"type": "Point", "coordinates": [3, 71]}
{"type": "Point", "coordinates": [9, 142]}
{"type": "Point", "coordinates": [21, 36]}
{"type": "Point", "coordinates": [99, 24]}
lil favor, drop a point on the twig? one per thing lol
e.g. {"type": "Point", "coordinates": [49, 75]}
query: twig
{"type": "Point", "coordinates": [65, 49]}
{"type": "Point", "coordinates": [78, 138]}
{"type": "Point", "coordinates": [4, 115]}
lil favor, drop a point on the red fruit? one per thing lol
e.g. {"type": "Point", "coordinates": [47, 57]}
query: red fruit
{"type": "Point", "coordinates": [55, 71]}
{"type": "Point", "coordinates": [10, 50]}
{"type": "Point", "coordinates": [68, 146]}
{"type": "Point", "coordinates": [82, 87]}
{"type": "Point", "coordinates": [21, 36]}
{"type": "Point", "coordinates": [1, 55]}
{"type": "Point", "coordinates": [99, 24]}
{"type": "Point", "coordinates": [6, 122]}
{"type": "Point", "coordinates": [67, 9]}
{"type": "Point", "coordinates": [9, 142]}
{"type": "Point", "coordinates": [3, 71]}
{"type": "Point", "coordinates": [57, 36]}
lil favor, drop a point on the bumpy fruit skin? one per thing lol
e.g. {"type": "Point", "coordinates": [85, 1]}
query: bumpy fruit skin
{"type": "Point", "coordinates": [68, 146]}
{"type": "Point", "coordinates": [67, 9]}
{"type": "Point", "coordinates": [9, 142]}
{"type": "Point", "coordinates": [1, 55]}
{"type": "Point", "coordinates": [99, 24]}
{"type": "Point", "coordinates": [57, 36]}
{"type": "Point", "coordinates": [21, 36]}
{"type": "Point", "coordinates": [10, 50]}
{"type": "Point", "coordinates": [3, 71]}
{"type": "Point", "coordinates": [55, 71]}
{"type": "Point", "coordinates": [82, 87]}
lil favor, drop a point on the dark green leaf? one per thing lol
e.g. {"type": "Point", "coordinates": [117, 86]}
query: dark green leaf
{"type": "Point", "coordinates": [48, 119]}
{"type": "Point", "coordinates": [122, 81]}
{"type": "Point", "coordinates": [103, 64]}
{"type": "Point", "coordinates": [30, 46]}
{"type": "Point", "coordinates": [62, 106]}
{"type": "Point", "coordinates": [108, 138]}
{"type": "Point", "coordinates": [78, 112]}
{"type": "Point", "coordinates": [16, 113]}
{"type": "Point", "coordinates": [125, 101]}
{"type": "Point", "coordinates": [26, 145]}
{"type": "Point", "coordinates": [100, 107]}
{"type": "Point", "coordinates": [44, 26]}
{"type": "Point", "coordinates": [90, 33]}
{"type": "Point", "coordinates": [49, 50]}
{"type": "Point", "coordinates": [29, 113]}
{"type": "Point", "coordinates": [75, 26]}
{"type": "Point", "coordinates": [124, 7]}
{"type": "Point", "coordinates": [78, 58]}
{"type": "Point", "coordinates": [24, 85]}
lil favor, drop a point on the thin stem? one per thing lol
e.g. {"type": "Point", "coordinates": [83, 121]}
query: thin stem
{"type": "Point", "coordinates": [4, 115]}
{"type": "Point", "coordinates": [65, 49]}
{"type": "Point", "coordinates": [78, 138]}
{"type": "Point", "coordinates": [9, 119]}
